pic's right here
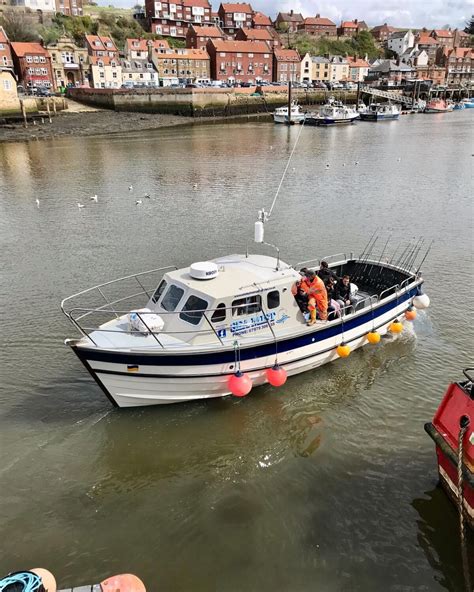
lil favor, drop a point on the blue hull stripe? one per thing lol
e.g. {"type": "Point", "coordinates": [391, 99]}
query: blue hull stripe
{"type": "Point", "coordinates": [228, 356]}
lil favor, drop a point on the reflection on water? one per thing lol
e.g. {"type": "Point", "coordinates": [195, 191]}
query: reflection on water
{"type": "Point", "coordinates": [318, 484]}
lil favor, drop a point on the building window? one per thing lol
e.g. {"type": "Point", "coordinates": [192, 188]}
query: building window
{"type": "Point", "coordinates": [7, 85]}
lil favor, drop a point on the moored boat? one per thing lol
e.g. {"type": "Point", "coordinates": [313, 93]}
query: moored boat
{"type": "Point", "coordinates": [296, 115]}
{"type": "Point", "coordinates": [468, 103]}
{"type": "Point", "coordinates": [186, 334]}
{"type": "Point", "coordinates": [438, 106]}
{"type": "Point", "coordinates": [459, 106]}
{"type": "Point", "coordinates": [452, 425]}
{"type": "Point", "coordinates": [333, 113]}
{"type": "Point", "coordinates": [381, 112]}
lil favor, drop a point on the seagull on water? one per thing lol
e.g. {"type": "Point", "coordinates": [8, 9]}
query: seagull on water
{"type": "Point", "coordinates": [356, 162]}
{"type": "Point", "coordinates": [343, 164]}
{"type": "Point", "coordinates": [138, 202]}
{"type": "Point", "coordinates": [195, 186]}
{"type": "Point", "coordinates": [130, 187]}
{"type": "Point", "coordinates": [147, 195]}
{"type": "Point", "coordinates": [94, 198]}
{"type": "Point", "coordinates": [399, 159]}
{"type": "Point", "coordinates": [79, 205]}
{"type": "Point", "coordinates": [37, 203]}
{"type": "Point", "coordinates": [327, 166]}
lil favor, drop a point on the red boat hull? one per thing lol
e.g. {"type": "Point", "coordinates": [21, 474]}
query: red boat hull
{"type": "Point", "coordinates": [456, 407]}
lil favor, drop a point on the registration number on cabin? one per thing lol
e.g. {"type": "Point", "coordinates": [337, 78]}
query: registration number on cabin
{"type": "Point", "coordinates": [254, 323]}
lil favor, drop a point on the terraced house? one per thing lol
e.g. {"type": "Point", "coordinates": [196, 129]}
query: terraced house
{"type": "Point", "coordinates": [173, 19]}
{"type": "Point", "coordinates": [318, 27]}
{"type": "Point", "coordinates": [33, 66]}
{"type": "Point", "coordinates": [240, 61]}
{"type": "Point", "coordinates": [234, 16]}
{"type": "Point", "coordinates": [175, 65]}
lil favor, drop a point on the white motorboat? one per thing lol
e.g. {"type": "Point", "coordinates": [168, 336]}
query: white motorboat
{"type": "Point", "coordinates": [333, 113]}
{"type": "Point", "coordinates": [172, 335]}
{"type": "Point", "coordinates": [381, 112]}
{"type": "Point", "coordinates": [296, 115]}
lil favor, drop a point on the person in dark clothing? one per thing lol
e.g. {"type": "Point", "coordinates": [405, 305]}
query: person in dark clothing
{"type": "Point", "coordinates": [343, 292]}
{"type": "Point", "coordinates": [300, 295]}
{"type": "Point", "coordinates": [324, 272]}
{"type": "Point", "coordinates": [334, 308]}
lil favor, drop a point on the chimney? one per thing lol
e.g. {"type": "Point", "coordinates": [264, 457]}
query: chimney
{"type": "Point", "coordinates": [291, 12]}
{"type": "Point", "coordinates": [318, 15]}
{"type": "Point", "coordinates": [356, 21]}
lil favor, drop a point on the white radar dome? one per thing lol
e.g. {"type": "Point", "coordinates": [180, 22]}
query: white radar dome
{"type": "Point", "coordinates": [203, 270]}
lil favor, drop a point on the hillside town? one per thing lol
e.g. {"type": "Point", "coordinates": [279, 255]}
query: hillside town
{"type": "Point", "coordinates": [190, 44]}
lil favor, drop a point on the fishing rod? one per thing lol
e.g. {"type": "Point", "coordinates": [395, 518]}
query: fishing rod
{"type": "Point", "coordinates": [426, 255]}
{"type": "Point", "coordinates": [411, 263]}
{"type": "Point", "coordinates": [367, 245]}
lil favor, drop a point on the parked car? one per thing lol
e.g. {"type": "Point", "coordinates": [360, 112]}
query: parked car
{"type": "Point", "coordinates": [43, 92]}
{"type": "Point", "coordinates": [319, 84]}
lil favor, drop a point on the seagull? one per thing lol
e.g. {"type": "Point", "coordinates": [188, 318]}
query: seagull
{"type": "Point", "coordinates": [94, 198]}
{"type": "Point", "coordinates": [79, 205]}
{"type": "Point", "coordinates": [399, 159]}
{"type": "Point", "coordinates": [356, 162]}
{"type": "Point", "coordinates": [293, 169]}
{"type": "Point", "coordinates": [147, 195]}
{"type": "Point", "coordinates": [343, 164]}
{"type": "Point", "coordinates": [327, 166]}
{"type": "Point", "coordinates": [195, 186]}
{"type": "Point", "coordinates": [37, 203]}
{"type": "Point", "coordinates": [138, 202]}
{"type": "Point", "coordinates": [130, 187]}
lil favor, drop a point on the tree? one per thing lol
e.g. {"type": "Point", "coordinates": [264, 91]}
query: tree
{"type": "Point", "coordinates": [364, 44]}
{"type": "Point", "coordinates": [470, 26]}
{"type": "Point", "coordinates": [18, 27]}
{"type": "Point", "coordinates": [284, 29]}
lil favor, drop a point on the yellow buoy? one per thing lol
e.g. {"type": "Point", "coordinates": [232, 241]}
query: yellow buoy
{"type": "Point", "coordinates": [373, 337]}
{"type": "Point", "coordinates": [395, 327]}
{"type": "Point", "coordinates": [410, 314]}
{"type": "Point", "coordinates": [343, 350]}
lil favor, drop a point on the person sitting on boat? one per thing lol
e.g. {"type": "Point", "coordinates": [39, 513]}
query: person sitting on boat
{"type": "Point", "coordinates": [299, 293]}
{"type": "Point", "coordinates": [317, 297]}
{"type": "Point", "coordinates": [343, 292]}
{"type": "Point", "coordinates": [334, 308]}
{"type": "Point", "coordinates": [324, 272]}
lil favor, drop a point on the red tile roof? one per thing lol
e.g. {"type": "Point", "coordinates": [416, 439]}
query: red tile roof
{"type": "Point", "coordinates": [349, 25]}
{"type": "Point", "coordinates": [442, 33]}
{"type": "Point", "coordinates": [208, 31]}
{"type": "Point", "coordinates": [238, 7]}
{"type": "Point", "coordinates": [3, 36]}
{"type": "Point", "coordinates": [426, 40]}
{"type": "Point", "coordinates": [261, 19]}
{"type": "Point", "coordinates": [461, 52]}
{"type": "Point", "coordinates": [184, 54]}
{"type": "Point", "coordinates": [98, 43]}
{"type": "Point", "coordinates": [200, 3]}
{"type": "Point", "coordinates": [257, 34]}
{"type": "Point", "coordinates": [143, 44]}
{"type": "Point", "coordinates": [319, 21]}
{"type": "Point", "coordinates": [106, 60]}
{"type": "Point", "coordinates": [240, 46]}
{"type": "Point", "coordinates": [286, 55]}
{"type": "Point", "coordinates": [355, 62]}
{"type": "Point", "coordinates": [21, 49]}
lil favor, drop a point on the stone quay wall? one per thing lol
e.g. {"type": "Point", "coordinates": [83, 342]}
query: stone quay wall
{"type": "Point", "coordinates": [199, 102]}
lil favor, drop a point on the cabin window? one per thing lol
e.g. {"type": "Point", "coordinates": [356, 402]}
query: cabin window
{"type": "Point", "coordinates": [172, 297]}
{"type": "Point", "coordinates": [159, 291]}
{"type": "Point", "coordinates": [219, 314]}
{"type": "Point", "coordinates": [246, 306]}
{"type": "Point", "coordinates": [273, 299]}
{"type": "Point", "coordinates": [193, 310]}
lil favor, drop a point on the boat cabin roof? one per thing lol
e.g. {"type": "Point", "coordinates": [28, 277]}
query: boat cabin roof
{"type": "Point", "coordinates": [238, 275]}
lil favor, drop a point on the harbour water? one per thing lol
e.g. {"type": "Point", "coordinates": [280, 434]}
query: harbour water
{"type": "Point", "coordinates": [328, 483]}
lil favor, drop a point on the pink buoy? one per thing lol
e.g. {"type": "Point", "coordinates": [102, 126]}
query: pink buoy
{"type": "Point", "coordinates": [276, 376]}
{"type": "Point", "coordinates": [239, 384]}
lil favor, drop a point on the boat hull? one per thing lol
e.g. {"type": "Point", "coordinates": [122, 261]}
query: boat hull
{"type": "Point", "coordinates": [330, 121]}
{"type": "Point", "coordinates": [295, 119]}
{"type": "Point", "coordinates": [133, 378]}
{"type": "Point", "coordinates": [379, 116]}
{"type": "Point", "coordinates": [435, 110]}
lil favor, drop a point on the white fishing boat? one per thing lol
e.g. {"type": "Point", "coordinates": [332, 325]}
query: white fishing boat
{"type": "Point", "coordinates": [281, 114]}
{"type": "Point", "coordinates": [172, 335]}
{"type": "Point", "coordinates": [333, 113]}
{"type": "Point", "coordinates": [381, 112]}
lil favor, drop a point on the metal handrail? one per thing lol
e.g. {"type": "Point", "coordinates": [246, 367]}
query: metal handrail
{"type": "Point", "coordinates": [318, 261]}
{"type": "Point", "coordinates": [126, 277]}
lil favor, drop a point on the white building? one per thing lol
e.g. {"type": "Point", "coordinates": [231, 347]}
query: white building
{"type": "Point", "coordinates": [414, 56]}
{"type": "Point", "coordinates": [139, 73]}
{"type": "Point", "coordinates": [43, 5]}
{"type": "Point", "coordinates": [400, 41]}
{"type": "Point", "coordinates": [105, 72]}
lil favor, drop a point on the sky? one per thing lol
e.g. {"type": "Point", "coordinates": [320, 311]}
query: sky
{"type": "Point", "coordinates": [399, 13]}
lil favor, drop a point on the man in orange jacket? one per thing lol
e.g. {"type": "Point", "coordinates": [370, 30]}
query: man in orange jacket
{"type": "Point", "coordinates": [315, 289]}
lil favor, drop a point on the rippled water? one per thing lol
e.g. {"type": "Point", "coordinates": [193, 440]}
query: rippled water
{"type": "Point", "coordinates": [328, 483]}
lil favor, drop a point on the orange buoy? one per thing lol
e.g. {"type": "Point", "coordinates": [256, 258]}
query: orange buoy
{"type": "Point", "coordinates": [410, 314]}
{"type": "Point", "coordinates": [239, 384]}
{"type": "Point", "coordinates": [123, 583]}
{"type": "Point", "coordinates": [47, 579]}
{"type": "Point", "coordinates": [373, 337]}
{"type": "Point", "coordinates": [343, 350]}
{"type": "Point", "coordinates": [395, 327]}
{"type": "Point", "coordinates": [276, 376]}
